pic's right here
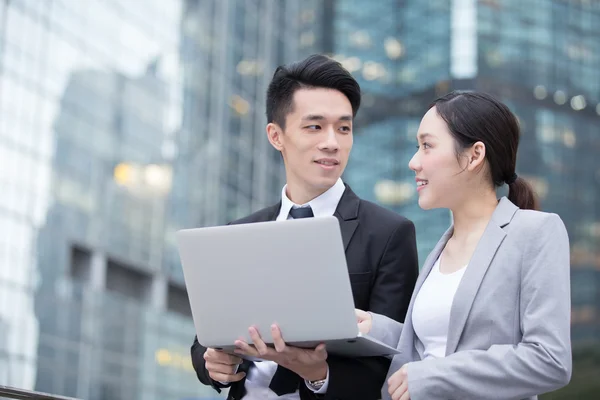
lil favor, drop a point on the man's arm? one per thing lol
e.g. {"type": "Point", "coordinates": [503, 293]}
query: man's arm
{"type": "Point", "coordinates": [396, 275]}
{"type": "Point", "coordinates": [199, 364]}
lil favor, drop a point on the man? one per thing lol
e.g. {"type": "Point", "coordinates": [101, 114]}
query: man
{"type": "Point", "coordinates": [310, 109]}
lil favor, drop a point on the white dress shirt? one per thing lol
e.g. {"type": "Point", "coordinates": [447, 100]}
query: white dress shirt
{"type": "Point", "coordinates": [259, 378]}
{"type": "Point", "coordinates": [431, 312]}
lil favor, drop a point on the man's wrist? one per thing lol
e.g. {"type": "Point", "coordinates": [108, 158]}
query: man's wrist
{"type": "Point", "coordinates": [316, 373]}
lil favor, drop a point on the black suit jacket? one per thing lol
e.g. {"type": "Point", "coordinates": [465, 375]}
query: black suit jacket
{"type": "Point", "coordinates": [381, 254]}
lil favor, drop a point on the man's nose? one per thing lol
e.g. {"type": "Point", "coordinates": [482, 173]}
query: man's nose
{"type": "Point", "coordinates": [331, 141]}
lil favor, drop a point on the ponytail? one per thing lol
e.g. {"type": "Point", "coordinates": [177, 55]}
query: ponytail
{"type": "Point", "coordinates": [521, 193]}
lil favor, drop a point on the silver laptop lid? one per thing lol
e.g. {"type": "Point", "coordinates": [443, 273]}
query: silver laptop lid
{"type": "Point", "coordinates": [290, 272]}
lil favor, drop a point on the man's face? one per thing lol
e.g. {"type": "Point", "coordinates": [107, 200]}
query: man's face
{"type": "Point", "coordinates": [317, 139]}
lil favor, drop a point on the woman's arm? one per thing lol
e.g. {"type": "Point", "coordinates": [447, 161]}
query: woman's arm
{"type": "Point", "coordinates": [379, 327]}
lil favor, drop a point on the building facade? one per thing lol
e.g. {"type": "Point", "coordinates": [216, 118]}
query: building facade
{"type": "Point", "coordinates": [541, 58]}
{"type": "Point", "coordinates": [116, 131]}
{"type": "Point", "coordinates": [401, 64]}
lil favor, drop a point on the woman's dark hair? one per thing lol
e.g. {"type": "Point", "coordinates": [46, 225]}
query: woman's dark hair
{"type": "Point", "coordinates": [315, 71]}
{"type": "Point", "coordinates": [478, 117]}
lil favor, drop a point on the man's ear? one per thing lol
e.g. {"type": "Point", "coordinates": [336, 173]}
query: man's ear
{"type": "Point", "coordinates": [476, 156]}
{"type": "Point", "coordinates": [274, 133]}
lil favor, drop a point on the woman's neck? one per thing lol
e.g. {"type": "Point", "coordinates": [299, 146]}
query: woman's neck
{"type": "Point", "coordinates": [473, 215]}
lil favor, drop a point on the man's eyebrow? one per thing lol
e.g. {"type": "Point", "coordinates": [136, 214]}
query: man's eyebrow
{"type": "Point", "coordinates": [318, 117]}
{"type": "Point", "coordinates": [313, 117]}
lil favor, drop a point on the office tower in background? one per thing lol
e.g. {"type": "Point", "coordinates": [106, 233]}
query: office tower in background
{"type": "Point", "coordinates": [121, 124]}
{"type": "Point", "coordinates": [539, 56]}
{"type": "Point", "coordinates": [399, 53]}
{"type": "Point", "coordinates": [225, 167]}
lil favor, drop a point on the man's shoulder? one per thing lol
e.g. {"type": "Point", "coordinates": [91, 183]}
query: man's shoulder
{"type": "Point", "coordinates": [262, 215]}
{"type": "Point", "coordinates": [376, 214]}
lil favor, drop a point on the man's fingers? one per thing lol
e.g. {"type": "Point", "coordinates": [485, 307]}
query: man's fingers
{"type": "Point", "coordinates": [278, 341]}
{"type": "Point", "coordinates": [245, 348]}
{"type": "Point", "coordinates": [321, 351]}
{"type": "Point", "coordinates": [220, 368]}
{"type": "Point", "coordinates": [219, 377]}
{"type": "Point", "coordinates": [260, 345]}
{"type": "Point", "coordinates": [221, 357]}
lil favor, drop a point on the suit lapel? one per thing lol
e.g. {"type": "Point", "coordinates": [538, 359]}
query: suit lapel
{"type": "Point", "coordinates": [347, 214]}
{"type": "Point", "coordinates": [482, 257]}
{"type": "Point", "coordinates": [273, 212]}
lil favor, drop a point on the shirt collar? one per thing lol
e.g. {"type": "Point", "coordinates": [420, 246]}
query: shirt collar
{"type": "Point", "coordinates": [322, 206]}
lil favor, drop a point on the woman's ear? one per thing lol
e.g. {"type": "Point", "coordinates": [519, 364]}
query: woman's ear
{"type": "Point", "coordinates": [476, 155]}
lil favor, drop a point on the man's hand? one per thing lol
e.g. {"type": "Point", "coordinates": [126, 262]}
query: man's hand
{"type": "Point", "coordinates": [309, 364]}
{"type": "Point", "coordinates": [222, 367]}
{"type": "Point", "coordinates": [364, 320]}
{"type": "Point", "coordinates": [398, 384]}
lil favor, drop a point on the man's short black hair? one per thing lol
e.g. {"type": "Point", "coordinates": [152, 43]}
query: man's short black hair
{"type": "Point", "coordinates": [316, 71]}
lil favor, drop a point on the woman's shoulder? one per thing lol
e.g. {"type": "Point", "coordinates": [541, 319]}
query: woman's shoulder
{"type": "Point", "coordinates": [531, 225]}
{"type": "Point", "coordinates": [535, 219]}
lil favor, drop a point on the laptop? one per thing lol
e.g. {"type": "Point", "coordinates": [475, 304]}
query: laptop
{"type": "Point", "coordinates": [291, 272]}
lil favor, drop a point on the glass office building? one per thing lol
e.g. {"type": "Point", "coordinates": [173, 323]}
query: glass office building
{"type": "Point", "coordinates": [121, 123]}
{"type": "Point", "coordinates": [541, 58]}
{"type": "Point", "coordinates": [401, 62]}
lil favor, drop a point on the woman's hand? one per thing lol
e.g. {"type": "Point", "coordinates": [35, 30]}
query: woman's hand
{"type": "Point", "coordinates": [364, 320]}
{"type": "Point", "coordinates": [398, 384]}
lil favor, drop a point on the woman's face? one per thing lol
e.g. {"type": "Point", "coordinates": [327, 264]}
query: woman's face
{"type": "Point", "coordinates": [439, 172]}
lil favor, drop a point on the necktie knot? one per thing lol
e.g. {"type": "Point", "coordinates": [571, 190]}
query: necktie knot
{"type": "Point", "coordinates": [301, 212]}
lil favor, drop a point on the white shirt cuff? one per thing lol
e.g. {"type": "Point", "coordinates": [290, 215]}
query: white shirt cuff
{"type": "Point", "coordinates": [323, 389]}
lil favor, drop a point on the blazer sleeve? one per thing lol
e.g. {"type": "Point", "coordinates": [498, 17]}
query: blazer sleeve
{"type": "Point", "coordinates": [197, 353]}
{"type": "Point", "coordinates": [199, 364]}
{"type": "Point", "coordinates": [542, 361]}
{"type": "Point", "coordinates": [362, 378]}
{"type": "Point", "coordinates": [385, 329]}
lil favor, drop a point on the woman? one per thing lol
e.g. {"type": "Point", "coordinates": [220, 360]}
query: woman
{"type": "Point", "coordinates": [490, 314]}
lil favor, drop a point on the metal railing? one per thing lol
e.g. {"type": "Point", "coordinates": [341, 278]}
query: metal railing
{"type": "Point", "coordinates": [7, 392]}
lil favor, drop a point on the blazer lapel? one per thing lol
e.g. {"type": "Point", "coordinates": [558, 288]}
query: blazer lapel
{"type": "Point", "coordinates": [273, 212]}
{"type": "Point", "coordinates": [406, 345]}
{"type": "Point", "coordinates": [482, 257]}
{"type": "Point", "coordinates": [431, 259]}
{"type": "Point", "coordinates": [347, 214]}
{"type": "Point", "coordinates": [433, 256]}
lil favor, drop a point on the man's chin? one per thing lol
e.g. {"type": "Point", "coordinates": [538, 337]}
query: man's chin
{"type": "Point", "coordinates": [326, 182]}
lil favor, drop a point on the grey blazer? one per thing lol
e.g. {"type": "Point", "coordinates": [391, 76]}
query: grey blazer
{"type": "Point", "coordinates": [509, 334]}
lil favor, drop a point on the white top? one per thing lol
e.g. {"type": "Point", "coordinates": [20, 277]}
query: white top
{"type": "Point", "coordinates": [431, 311]}
{"type": "Point", "coordinates": [259, 378]}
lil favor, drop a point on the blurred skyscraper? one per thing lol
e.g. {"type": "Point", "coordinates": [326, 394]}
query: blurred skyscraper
{"type": "Point", "coordinates": [399, 52]}
{"type": "Point", "coordinates": [120, 124]}
{"type": "Point", "coordinates": [541, 57]}
{"type": "Point", "coordinates": [226, 167]}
